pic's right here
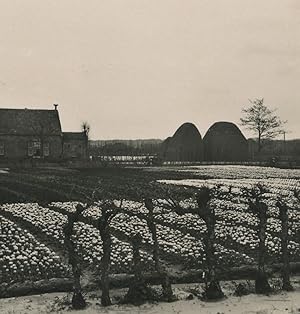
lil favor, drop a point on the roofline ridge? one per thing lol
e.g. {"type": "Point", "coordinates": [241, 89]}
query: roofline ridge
{"type": "Point", "coordinates": [33, 109]}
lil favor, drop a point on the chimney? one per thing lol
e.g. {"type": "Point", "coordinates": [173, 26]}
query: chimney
{"type": "Point", "coordinates": [55, 106]}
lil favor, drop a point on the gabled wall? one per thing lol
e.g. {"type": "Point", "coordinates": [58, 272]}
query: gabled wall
{"type": "Point", "coordinates": [16, 146]}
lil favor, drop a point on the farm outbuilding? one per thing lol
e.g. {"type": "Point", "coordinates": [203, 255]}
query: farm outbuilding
{"type": "Point", "coordinates": [75, 145]}
{"type": "Point", "coordinates": [184, 145]}
{"type": "Point", "coordinates": [224, 141]}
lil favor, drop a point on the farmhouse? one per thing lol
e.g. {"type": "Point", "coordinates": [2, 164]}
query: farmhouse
{"type": "Point", "coordinates": [36, 133]}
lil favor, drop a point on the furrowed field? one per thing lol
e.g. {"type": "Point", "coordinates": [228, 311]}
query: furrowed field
{"type": "Point", "coordinates": [34, 207]}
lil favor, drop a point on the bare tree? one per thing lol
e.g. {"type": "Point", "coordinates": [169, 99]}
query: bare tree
{"type": "Point", "coordinates": [85, 127]}
{"type": "Point", "coordinates": [262, 120]}
{"type": "Point", "coordinates": [255, 198]}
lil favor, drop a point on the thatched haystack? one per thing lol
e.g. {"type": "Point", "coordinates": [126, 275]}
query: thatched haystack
{"type": "Point", "coordinates": [184, 145]}
{"type": "Point", "coordinates": [224, 141]}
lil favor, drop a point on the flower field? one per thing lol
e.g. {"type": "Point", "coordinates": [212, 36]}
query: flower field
{"type": "Point", "coordinates": [22, 257]}
{"type": "Point", "coordinates": [32, 238]}
{"type": "Point", "coordinates": [237, 172]}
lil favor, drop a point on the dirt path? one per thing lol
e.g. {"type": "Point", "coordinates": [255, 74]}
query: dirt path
{"type": "Point", "coordinates": [251, 304]}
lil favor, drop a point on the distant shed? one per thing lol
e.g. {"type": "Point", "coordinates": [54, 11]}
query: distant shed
{"type": "Point", "coordinates": [224, 141]}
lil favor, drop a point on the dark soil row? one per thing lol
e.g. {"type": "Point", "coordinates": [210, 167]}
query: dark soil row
{"type": "Point", "coordinates": [123, 280]}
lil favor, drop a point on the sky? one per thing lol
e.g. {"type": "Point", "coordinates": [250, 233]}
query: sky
{"type": "Point", "coordinates": [141, 68]}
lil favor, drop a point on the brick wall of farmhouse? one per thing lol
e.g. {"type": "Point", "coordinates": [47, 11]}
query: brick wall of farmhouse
{"type": "Point", "coordinates": [16, 146]}
{"type": "Point", "coordinates": [74, 148]}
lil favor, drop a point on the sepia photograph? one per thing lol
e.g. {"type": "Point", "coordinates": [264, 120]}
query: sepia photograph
{"type": "Point", "coordinates": [150, 156]}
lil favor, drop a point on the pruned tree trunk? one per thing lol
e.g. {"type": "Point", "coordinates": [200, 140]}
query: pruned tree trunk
{"type": "Point", "coordinates": [105, 261]}
{"type": "Point", "coordinates": [168, 294]}
{"type": "Point", "coordinates": [261, 283]}
{"type": "Point", "coordinates": [286, 283]}
{"type": "Point", "coordinates": [78, 301]}
{"type": "Point", "coordinates": [167, 291]}
{"type": "Point", "coordinates": [152, 228]}
{"type": "Point", "coordinates": [213, 289]}
{"type": "Point", "coordinates": [137, 266]}
{"type": "Point", "coordinates": [138, 291]}
{"type": "Point", "coordinates": [210, 251]}
{"type": "Point", "coordinates": [105, 298]}
{"type": "Point", "coordinates": [256, 196]}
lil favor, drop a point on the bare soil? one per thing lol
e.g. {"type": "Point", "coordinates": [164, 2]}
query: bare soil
{"type": "Point", "coordinates": [188, 302]}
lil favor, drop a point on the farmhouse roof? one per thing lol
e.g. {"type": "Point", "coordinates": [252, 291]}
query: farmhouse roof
{"type": "Point", "coordinates": [29, 122]}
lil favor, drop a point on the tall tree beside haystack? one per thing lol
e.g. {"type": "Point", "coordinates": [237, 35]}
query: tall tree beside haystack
{"type": "Point", "coordinates": [262, 120]}
{"type": "Point", "coordinates": [257, 205]}
{"type": "Point", "coordinates": [78, 301]}
{"type": "Point", "coordinates": [284, 235]}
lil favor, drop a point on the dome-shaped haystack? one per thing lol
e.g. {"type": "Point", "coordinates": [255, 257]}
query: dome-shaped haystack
{"type": "Point", "coordinates": [224, 141]}
{"type": "Point", "coordinates": [184, 145]}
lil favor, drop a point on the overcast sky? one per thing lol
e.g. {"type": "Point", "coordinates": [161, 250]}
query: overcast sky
{"type": "Point", "coordinates": [139, 69]}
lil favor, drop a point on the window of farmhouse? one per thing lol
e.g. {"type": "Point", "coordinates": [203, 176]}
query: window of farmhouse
{"type": "Point", "coordinates": [1, 149]}
{"type": "Point", "coordinates": [35, 148]}
{"type": "Point", "coordinates": [46, 149]}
